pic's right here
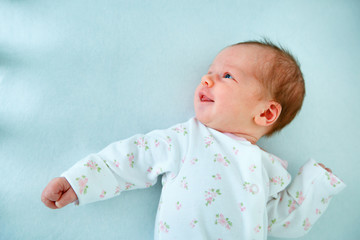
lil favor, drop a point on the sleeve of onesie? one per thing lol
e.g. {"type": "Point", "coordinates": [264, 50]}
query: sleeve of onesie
{"type": "Point", "coordinates": [129, 164]}
{"type": "Point", "coordinates": [294, 209]}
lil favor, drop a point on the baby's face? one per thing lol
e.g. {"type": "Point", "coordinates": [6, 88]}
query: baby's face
{"type": "Point", "coordinates": [229, 96]}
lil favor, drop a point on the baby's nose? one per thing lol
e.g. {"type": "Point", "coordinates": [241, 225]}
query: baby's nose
{"type": "Point", "coordinates": [207, 81]}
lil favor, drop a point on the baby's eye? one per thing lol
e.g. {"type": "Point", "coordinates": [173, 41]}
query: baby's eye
{"type": "Point", "coordinates": [227, 76]}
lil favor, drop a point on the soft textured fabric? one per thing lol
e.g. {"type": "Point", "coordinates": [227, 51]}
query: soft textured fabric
{"type": "Point", "coordinates": [214, 186]}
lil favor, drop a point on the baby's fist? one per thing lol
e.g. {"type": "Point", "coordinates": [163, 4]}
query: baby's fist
{"type": "Point", "coordinates": [323, 166]}
{"type": "Point", "coordinates": [58, 193]}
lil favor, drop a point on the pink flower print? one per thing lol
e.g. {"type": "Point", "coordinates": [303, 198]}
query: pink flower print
{"type": "Point", "coordinates": [333, 181]}
{"type": "Point", "coordinates": [251, 188]}
{"type": "Point", "coordinates": [208, 141]}
{"type": "Point", "coordinates": [148, 185]}
{"type": "Point", "coordinates": [292, 206]}
{"type": "Point", "coordinates": [272, 158]}
{"type": "Point", "coordinates": [277, 180]}
{"type": "Point", "coordinates": [164, 227]}
{"type": "Point", "coordinates": [254, 189]}
{"type": "Point", "coordinates": [273, 221]}
{"type": "Point", "coordinates": [235, 150]}
{"type": "Point", "coordinates": [325, 200]}
{"type": "Point", "coordinates": [180, 129]}
{"type": "Point", "coordinates": [257, 229]}
{"type": "Point", "coordinates": [225, 222]}
{"type": "Point", "coordinates": [178, 206]}
{"type": "Point", "coordinates": [300, 170]}
{"type": "Point", "coordinates": [157, 143]}
{"type": "Point", "coordinates": [149, 169]}
{"type": "Point", "coordinates": [246, 186]}
{"type": "Point", "coordinates": [117, 190]}
{"type": "Point", "coordinates": [103, 193]}
{"type": "Point", "coordinates": [184, 183]}
{"type": "Point", "coordinates": [242, 207]}
{"type": "Point", "coordinates": [194, 160]}
{"type": "Point", "coordinates": [306, 224]}
{"type": "Point", "coordinates": [117, 163]}
{"type": "Point", "coordinates": [141, 143]}
{"type": "Point", "coordinates": [252, 168]}
{"type": "Point", "coordinates": [300, 197]}
{"type": "Point", "coordinates": [211, 195]}
{"type": "Point", "coordinates": [193, 223]}
{"type": "Point", "coordinates": [169, 140]}
{"type": "Point", "coordinates": [285, 225]}
{"type": "Point", "coordinates": [217, 176]}
{"type": "Point", "coordinates": [82, 181]}
{"type": "Point", "coordinates": [130, 157]}
{"type": "Point", "coordinates": [317, 211]}
{"type": "Point", "coordinates": [129, 185]}
{"type": "Point", "coordinates": [92, 165]}
{"type": "Point", "coordinates": [220, 159]}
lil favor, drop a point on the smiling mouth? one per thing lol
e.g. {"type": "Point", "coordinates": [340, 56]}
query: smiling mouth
{"type": "Point", "coordinates": [204, 98]}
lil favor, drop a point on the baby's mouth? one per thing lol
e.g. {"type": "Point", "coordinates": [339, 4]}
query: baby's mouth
{"type": "Point", "coordinates": [204, 98]}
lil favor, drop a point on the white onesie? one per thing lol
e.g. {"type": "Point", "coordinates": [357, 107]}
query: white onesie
{"type": "Point", "coordinates": [214, 186]}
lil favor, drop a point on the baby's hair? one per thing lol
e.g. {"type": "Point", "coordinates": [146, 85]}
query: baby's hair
{"type": "Point", "coordinates": [282, 78]}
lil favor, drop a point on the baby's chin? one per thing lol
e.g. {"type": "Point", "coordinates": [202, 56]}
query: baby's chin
{"type": "Point", "coordinates": [208, 122]}
{"type": "Point", "coordinates": [216, 125]}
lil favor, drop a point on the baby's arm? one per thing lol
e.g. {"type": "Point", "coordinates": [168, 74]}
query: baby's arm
{"type": "Point", "coordinates": [58, 193]}
{"type": "Point", "coordinates": [293, 211]}
{"type": "Point", "coordinates": [130, 164]}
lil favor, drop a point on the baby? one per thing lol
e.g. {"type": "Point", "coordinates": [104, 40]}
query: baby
{"type": "Point", "coordinates": [217, 183]}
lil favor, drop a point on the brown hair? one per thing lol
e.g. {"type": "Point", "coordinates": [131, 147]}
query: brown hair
{"type": "Point", "coordinates": [282, 77]}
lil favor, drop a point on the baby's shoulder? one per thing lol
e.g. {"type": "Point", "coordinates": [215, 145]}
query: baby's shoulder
{"type": "Point", "coordinates": [269, 158]}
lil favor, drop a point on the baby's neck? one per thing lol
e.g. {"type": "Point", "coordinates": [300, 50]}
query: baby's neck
{"type": "Point", "coordinates": [249, 138]}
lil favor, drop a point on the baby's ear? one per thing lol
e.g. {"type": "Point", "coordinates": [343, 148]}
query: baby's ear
{"type": "Point", "coordinates": [269, 115]}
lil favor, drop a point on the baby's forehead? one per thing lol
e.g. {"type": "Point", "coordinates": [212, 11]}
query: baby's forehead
{"type": "Point", "coordinates": [247, 57]}
{"type": "Point", "coordinates": [250, 50]}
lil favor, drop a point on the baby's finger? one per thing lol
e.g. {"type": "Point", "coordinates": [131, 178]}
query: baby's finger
{"type": "Point", "coordinates": [48, 198]}
{"type": "Point", "coordinates": [322, 165]}
{"type": "Point", "coordinates": [48, 203]}
{"type": "Point", "coordinates": [328, 169]}
{"type": "Point", "coordinates": [68, 197]}
{"type": "Point", "coordinates": [50, 195]}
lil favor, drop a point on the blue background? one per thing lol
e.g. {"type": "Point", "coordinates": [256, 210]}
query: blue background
{"type": "Point", "coordinates": [78, 75]}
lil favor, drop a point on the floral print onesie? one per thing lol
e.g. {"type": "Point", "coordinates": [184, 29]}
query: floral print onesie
{"type": "Point", "coordinates": [214, 186]}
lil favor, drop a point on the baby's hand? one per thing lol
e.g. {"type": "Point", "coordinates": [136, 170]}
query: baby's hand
{"type": "Point", "coordinates": [58, 193]}
{"type": "Point", "coordinates": [323, 166]}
